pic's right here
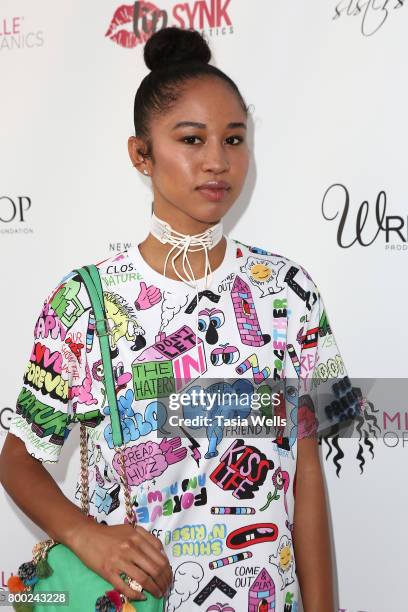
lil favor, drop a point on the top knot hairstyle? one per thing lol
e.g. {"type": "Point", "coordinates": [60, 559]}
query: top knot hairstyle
{"type": "Point", "coordinates": [174, 56]}
{"type": "Point", "coordinates": [172, 46]}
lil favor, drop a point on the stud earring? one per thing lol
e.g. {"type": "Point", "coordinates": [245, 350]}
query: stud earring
{"type": "Point", "coordinates": [145, 172]}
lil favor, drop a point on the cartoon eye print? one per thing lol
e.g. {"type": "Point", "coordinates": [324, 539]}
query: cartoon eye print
{"type": "Point", "coordinates": [291, 392]}
{"type": "Point", "coordinates": [121, 377]}
{"type": "Point", "coordinates": [209, 320]}
{"type": "Point", "coordinates": [224, 353]}
{"type": "Point", "coordinates": [97, 370]}
{"type": "Point", "coordinates": [203, 321]}
{"type": "Point", "coordinates": [118, 370]}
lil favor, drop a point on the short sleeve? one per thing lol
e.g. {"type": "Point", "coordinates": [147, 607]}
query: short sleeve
{"type": "Point", "coordinates": [327, 401]}
{"type": "Point", "coordinates": [57, 382]}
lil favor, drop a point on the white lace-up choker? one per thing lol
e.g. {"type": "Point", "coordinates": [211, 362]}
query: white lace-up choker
{"type": "Point", "coordinates": [183, 243]}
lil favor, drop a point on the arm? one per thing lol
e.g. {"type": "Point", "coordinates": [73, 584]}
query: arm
{"type": "Point", "coordinates": [311, 538]}
{"type": "Point", "coordinates": [107, 550]}
{"type": "Point", "coordinates": [34, 490]}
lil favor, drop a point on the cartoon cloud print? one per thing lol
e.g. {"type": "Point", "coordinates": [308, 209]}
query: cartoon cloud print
{"type": "Point", "coordinates": [186, 582]}
{"type": "Point", "coordinates": [264, 273]}
{"type": "Point", "coordinates": [171, 305]}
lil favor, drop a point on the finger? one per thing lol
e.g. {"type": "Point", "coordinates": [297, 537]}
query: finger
{"type": "Point", "coordinates": [134, 571]}
{"type": "Point", "coordinates": [121, 586]}
{"type": "Point", "coordinates": [155, 542]}
{"type": "Point", "coordinates": [142, 286]}
{"type": "Point", "coordinates": [153, 564]}
{"type": "Point", "coordinates": [158, 545]}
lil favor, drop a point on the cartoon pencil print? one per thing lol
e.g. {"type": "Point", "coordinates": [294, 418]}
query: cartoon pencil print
{"type": "Point", "coordinates": [90, 331]}
{"type": "Point", "coordinates": [252, 362]}
{"type": "Point", "coordinates": [294, 358]}
{"type": "Point", "coordinates": [232, 510]}
{"type": "Point", "coordinates": [230, 559]}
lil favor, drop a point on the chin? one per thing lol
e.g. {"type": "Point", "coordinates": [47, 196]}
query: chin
{"type": "Point", "coordinates": [209, 213]}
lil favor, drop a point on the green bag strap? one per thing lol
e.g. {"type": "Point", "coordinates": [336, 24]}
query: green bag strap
{"type": "Point", "coordinates": [92, 282]}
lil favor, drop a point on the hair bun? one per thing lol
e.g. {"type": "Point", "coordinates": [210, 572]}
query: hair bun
{"type": "Point", "coordinates": [173, 45]}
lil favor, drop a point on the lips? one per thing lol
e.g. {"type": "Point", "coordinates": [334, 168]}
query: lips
{"type": "Point", "coordinates": [124, 16]}
{"type": "Point", "coordinates": [213, 194]}
{"type": "Point", "coordinates": [214, 185]}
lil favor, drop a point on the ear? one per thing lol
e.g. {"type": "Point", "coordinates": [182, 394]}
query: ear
{"type": "Point", "coordinates": [138, 155]}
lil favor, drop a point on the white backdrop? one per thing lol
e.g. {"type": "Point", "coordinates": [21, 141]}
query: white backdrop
{"type": "Point", "coordinates": [327, 83]}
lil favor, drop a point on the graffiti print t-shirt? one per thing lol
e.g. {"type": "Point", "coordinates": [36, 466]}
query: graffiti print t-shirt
{"type": "Point", "coordinates": [219, 495]}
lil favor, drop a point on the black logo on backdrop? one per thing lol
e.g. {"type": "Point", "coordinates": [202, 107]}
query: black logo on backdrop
{"type": "Point", "coordinates": [373, 13]}
{"type": "Point", "coordinates": [14, 213]}
{"type": "Point", "coordinates": [5, 418]}
{"type": "Point", "coordinates": [359, 225]}
{"type": "Point", "coordinates": [14, 209]}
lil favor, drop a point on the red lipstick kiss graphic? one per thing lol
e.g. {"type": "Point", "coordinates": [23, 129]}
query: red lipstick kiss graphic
{"type": "Point", "coordinates": [123, 16]}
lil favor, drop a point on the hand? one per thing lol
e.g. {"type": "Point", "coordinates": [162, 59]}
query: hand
{"type": "Point", "coordinates": [110, 550]}
{"type": "Point", "coordinates": [148, 296]}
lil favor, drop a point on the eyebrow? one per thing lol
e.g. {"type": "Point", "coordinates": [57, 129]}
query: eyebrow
{"type": "Point", "coordinates": [202, 126]}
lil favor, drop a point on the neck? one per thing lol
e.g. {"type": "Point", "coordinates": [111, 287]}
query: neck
{"type": "Point", "coordinates": [179, 220]}
{"type": "Point", "coordinates": [155, 251]}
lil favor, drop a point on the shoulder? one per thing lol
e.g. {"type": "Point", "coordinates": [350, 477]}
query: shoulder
{"type": "Point", "coordinates": [263, 266]}
{"type": "Point", "coordinates": [116, 263]}
{"type": "Point", "coordinates": [69, 298]}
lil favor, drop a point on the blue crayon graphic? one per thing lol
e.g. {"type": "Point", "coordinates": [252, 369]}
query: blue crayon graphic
{"type": "Point", "coordinates": [229, 560]}
{"type": "Point", "coordinates": [232, 510]}
{"type": "Point", "coordinates": [90, 332]}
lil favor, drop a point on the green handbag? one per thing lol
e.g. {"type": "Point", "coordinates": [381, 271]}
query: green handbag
{"type": "Point", "coordinates": [55, 571]}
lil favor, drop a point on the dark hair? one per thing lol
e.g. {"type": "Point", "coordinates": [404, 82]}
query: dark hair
{"type": "Point", "coordinates": [174, 56]}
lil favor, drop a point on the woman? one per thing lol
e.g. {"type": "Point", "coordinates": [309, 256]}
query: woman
{"type": "Point", "coordinates": [188, 309]}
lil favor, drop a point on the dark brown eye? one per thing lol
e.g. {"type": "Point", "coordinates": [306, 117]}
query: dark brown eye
{"type": "Point", "coordinates": [189, 138]}
{"type": "Point", "coordinates": [239, 138]}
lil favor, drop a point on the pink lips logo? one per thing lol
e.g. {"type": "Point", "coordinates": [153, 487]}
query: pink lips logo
{"type": "Point", "coordinates": [124, 16]}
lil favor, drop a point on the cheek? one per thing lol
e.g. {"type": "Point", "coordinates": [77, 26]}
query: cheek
{"type": "Point", "coordinates": [174, 173]}
{"type": "Point", "coordinates": [240, 165]}
{"type": "Point", "coordinates": [174, 161]}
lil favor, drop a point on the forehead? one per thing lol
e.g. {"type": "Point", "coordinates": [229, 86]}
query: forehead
{"type": "Point", "coordinates": [206, 100]}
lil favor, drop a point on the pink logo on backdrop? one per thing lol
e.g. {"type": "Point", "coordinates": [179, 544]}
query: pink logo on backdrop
{"type": "Point", "coordinates": [133, 24]}
{"type": "Point", "coordinates": [14, 34]}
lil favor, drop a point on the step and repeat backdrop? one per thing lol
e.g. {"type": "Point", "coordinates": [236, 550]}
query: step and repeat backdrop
{"type": "Point", "coordinates": [326, 187]}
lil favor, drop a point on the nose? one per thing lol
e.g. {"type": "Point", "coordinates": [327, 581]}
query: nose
{"type": "Point", "coordinates": [215, 158]}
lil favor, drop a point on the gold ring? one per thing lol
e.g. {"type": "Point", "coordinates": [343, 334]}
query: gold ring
{"type": "Point", "coordinates": [136, 586]}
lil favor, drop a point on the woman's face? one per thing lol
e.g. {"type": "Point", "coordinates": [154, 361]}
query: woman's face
{"type": "Point", "coordinates": [201, 138]}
